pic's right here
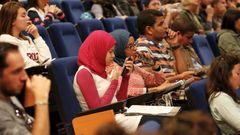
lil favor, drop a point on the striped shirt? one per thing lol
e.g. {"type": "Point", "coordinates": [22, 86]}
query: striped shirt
{"type": "Point", "coordinates": [159, 52]}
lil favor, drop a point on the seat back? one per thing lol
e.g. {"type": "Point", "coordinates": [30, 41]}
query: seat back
{"type": "Point", "coordinates": [44, 34]}
{"type": "Point", "coordinates": [203, 50]}
{"type": "Point", "coordinates": [89, 124]}
{"type": "Point", "coordinates": [85, 27]}
{"type": "Point", "coordinates": [213, 42]}
{"type": "Point", "coordinates": [73, 10]}
{"type": "Point", "coordinates": [65, 39]}
{"type": "Point", "coordinates": [55, 2]}
{"type": "Point", "coordinates": [111, 24]}
{"type": "Point", "coordinates": [87, 5]}
{"type": "Point", "coordinates": [131, 23]}
{"type": "Point", "coordinates": [197, 96]}
{"type": "Point", "coordinates": [64, 70]}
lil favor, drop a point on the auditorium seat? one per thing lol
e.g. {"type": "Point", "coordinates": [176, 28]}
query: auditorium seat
{"type": "Point", "coordinates": [85, 27]}
{"type": "Point", "coordinates": [44, 34]}
{"type": "Point", "coordinates": [212, 40]}
{"type": "Point", "coordinates": [64, 70]}
{"type": "Point", "coordinates": [55, 2]}
{"type": "Point", "coordinates": [203, 50]}
{"type": "Point", "coordinates": [111, 24]}
{"type": "Point", "coordinates": [131, 23]}
{"type": "Point", "coordinates": [65, 39]}
{"type": "Point", "coordinates": [72, 9]}
{"type": "Point", "coordinates": [197, 97]}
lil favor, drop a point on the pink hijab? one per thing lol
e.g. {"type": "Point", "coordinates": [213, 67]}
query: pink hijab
{"type": "Point", "coordinates": [93, 52]}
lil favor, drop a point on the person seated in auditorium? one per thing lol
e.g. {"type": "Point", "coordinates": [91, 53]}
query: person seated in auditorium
{"type": "Point", "coordinates": [13, 78]}
{"type": "Point", "coordinates": [223, 83]}
{"type": "Point", "coordinates": [93, 86]}
{"type": "Point", "coordinates": [190, 13]}
{"type": "Point", "coordinates": [205, 15]}
{"type": "Point", "coordinates": [220, 8]}
{"type": "Point", "coordinates": [43, 14]}
{"type": "Point", "coordinates": [135, 6]}
{"type": "Point", "coordinates": [151, 42]}
{"type": "Point", "coordinates": [184, 51]}
{"type": "Point", "coordinates": [140, 79]}
{"type": "Point", "coordinates": [14, 21]}
{"type": "Point", "coordinates": [228, 37]}
{"type": "Point", "coordinates": [127, 7]}
{"type": "Point", "coordinates": [106, 9]}
{"type": "Point", "coordinates": [167, 11]}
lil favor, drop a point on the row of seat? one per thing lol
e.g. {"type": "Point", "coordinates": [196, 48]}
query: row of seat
{"type": "Point", "coordinates": [66, 42]}
{"type": "Point", "coordinates": [72, 8]}
{"type": "Point", "coordinates": [64, 39]}
{"type": "Point", "coordinates": [109, 24]}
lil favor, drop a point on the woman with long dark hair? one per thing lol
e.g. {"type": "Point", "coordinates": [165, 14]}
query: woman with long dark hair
{"type": "Point", "coordinates": [223, 82]}
{"type": "Point", "coordinates": [14, 21]}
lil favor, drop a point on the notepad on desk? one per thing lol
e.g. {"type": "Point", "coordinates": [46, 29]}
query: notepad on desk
{"type": "Point", "coordinates": [152, 110]}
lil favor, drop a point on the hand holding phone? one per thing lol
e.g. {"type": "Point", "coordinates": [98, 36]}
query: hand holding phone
{"type": "Point", "coordinates": [124, 71]}
{"type": "Point", "coordinates": [128, 66]}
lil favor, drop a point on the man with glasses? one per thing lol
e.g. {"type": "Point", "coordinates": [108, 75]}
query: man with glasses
{"type": "Point", "coordinates": [13, 78]}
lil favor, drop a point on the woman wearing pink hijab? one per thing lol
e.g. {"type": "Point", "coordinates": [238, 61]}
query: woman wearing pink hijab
{"type": "Point", "coordinates": [93, 86]}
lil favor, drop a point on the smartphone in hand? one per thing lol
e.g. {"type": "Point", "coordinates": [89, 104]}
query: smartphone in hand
{"type": "Point", "coordinates": [125, 70]}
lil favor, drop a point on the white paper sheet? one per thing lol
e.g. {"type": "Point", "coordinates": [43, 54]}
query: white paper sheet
{"type": "Point", "coordinates": [152, 110]}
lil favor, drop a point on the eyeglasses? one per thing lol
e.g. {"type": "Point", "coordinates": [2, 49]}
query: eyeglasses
{"type": "Point", "coordinates": [21, 114]}
{"type": "Point", "coordinates": [130, 46]}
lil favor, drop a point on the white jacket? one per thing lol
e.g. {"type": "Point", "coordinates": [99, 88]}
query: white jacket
{"type": "Point", "coordinates": [226, 113]}
{"type": "Point", "coordinates": [34, 52]}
